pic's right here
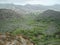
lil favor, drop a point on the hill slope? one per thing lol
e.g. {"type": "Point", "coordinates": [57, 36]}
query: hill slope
{"type": "Point", "coordinates": [9, 19]}
{"type": "Point", "coordinates": [41, 28]}
{"type": "Point", "coordinates": [52, 18]}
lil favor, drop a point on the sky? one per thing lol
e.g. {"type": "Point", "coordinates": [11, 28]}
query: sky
{"type": "Point", "coordinates": [23, 2]}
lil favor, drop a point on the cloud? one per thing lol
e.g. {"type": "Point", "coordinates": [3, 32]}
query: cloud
{"type": "Point", "coordinates": [44, 2]}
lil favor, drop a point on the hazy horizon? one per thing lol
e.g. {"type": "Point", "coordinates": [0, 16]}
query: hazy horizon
{"type": "Point", "coordinates": [23, 2]}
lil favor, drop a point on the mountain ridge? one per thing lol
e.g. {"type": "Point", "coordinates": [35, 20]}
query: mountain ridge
{"type": "Point", "coordinates": [29, 7]}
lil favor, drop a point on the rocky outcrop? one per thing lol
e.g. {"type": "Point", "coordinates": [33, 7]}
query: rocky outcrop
{"type": "Point", "coordinates": [8, 39]}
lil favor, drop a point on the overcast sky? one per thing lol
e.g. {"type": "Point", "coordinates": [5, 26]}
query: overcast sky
{"type": "Point", "coordinates": [43, 2]}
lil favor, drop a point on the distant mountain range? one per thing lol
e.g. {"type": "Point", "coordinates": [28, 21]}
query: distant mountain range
{"type": "Point", "coordinates": [29, 7]}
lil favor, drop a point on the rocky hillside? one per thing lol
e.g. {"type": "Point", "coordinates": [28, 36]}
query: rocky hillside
{"type": "Point", "coordinates": [8, 39]}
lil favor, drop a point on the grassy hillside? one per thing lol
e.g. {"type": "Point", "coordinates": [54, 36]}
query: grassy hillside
{"type": "Point", "coordinates": [43, 28]}
{"type": "Point", "coordinates": [40, 28]}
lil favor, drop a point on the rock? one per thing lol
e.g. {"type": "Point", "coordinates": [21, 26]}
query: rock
{"type": "Point", "coordinates": [18, 40]}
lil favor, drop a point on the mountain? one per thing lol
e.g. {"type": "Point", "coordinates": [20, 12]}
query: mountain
{"type": "Point", "coordinates": [50, 18]}
{"type": "Point", "coordinates": [9, 19]}
{"type": "Point", "coordinates": [17, 8]}
{"type": "Point", "coordinates": [30, 8]}
{"type": "Point", "coordinates": [35, 7]}
{"type": "Point", "coordinates": [9, 6]}
{"type": "Point", "coordinates": [41, 28]}
{"type": "Point", "coordinates": [55, 7]}
{"type": "Point", "coordinates": [51, 13]}
{"type": "Point", "coordinates": [25, 7]}
{"type": "Point", "coordinates": [42, 7]}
